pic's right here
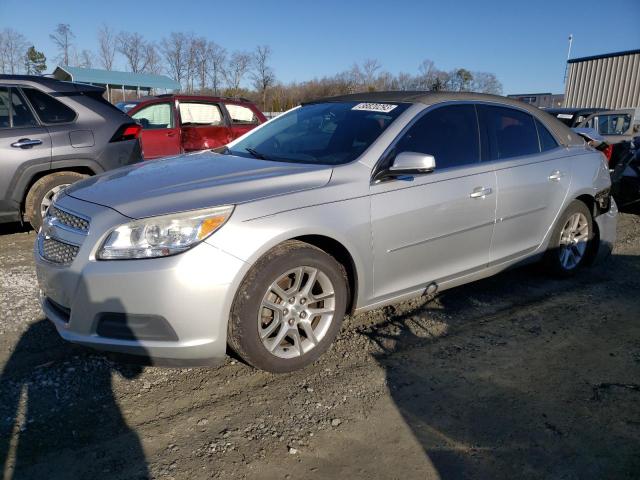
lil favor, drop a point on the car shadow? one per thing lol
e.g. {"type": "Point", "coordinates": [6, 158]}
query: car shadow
{"type": "Point", "coordinates": [57, 403]}
{"type": "Point", "coordinates": [514, 403]}
{"type": "Point", "coordinates": [14, 227]}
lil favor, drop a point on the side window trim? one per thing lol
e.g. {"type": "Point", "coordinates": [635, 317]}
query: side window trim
{"type": "Point", "coordinates": [429, 108]}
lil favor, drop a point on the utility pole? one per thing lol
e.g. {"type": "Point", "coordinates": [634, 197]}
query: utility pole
{"type": "Point", "coordinates": [566, 65]}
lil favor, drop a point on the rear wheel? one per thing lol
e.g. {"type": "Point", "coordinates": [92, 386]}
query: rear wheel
{"type": "Point", "coordinates": [571, 240]}
{"type": "Point", "coordinates": [289, 308]}
{"type": "Point", "coordinates": [42, 193]}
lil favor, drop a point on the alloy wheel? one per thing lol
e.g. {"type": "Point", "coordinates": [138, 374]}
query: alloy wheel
{"type": "Point", "coordinates": [296, 312]}
{"type": "Point", "coordinates": [47, 200]}
{"type": "Point", "coordinates": [573, 241]}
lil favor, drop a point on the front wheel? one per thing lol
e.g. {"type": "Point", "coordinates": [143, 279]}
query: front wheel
{"type": "Point", "coordinates": [571, 241]}
{"type": "Point", "coordinates": [289, 308]}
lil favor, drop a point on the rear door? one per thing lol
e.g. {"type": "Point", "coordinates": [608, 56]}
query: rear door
{"type": "Point", "coordinates": [203, 126]}
{"type": "Point", "coordinates": [533, 176]}
{"type": "Point", "coordinates": [160, 132]}
{"type": "Point", "coordinates": [23, 143]}
{"type": "Point", "coordinates": [242, 119]}
{"type": "Point", "coordinates": [433, 227]}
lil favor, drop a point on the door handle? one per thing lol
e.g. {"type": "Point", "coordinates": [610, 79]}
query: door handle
{"type": "Point", "coordinates": [26, 143]}
{"type": "Point", "coordinates": [480, 192]}
{"type": "Point", "coordinates": [556, 175]}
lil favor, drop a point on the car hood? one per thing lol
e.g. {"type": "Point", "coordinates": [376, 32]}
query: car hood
{"type": "Point", "coordinates": [193, 181]}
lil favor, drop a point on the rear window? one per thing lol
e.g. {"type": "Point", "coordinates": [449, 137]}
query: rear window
{"type": "Point", "coordinates": [613, 124]}
{"type": "Point", "coordinates": [547, 142]}
{"type": "Point", "coordinates": [48, 109]}
{"type": "Point", "coordinates": [200, 114]}
{"type": "Point", "coordinates": [511, 133]}
{"type": "Point", "coordinates": [241, 115]}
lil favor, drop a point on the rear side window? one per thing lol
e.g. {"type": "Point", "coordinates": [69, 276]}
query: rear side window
{"type": "Point", "coordinates": [48, 109]}
{"type": "Point", "coordinates": [449, 133]}
{"type": "Point", "coordinates": [241, 115]}
{"type": "Point", "coordinates": [154, 117]}
{"type": "Point", "coordinates": [547, 142]}
{"type": "Point", "coordinates": [200, 114]}
{"type": "Point", "coordinates": [509, 132]}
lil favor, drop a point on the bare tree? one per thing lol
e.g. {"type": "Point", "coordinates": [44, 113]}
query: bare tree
{"type": "Point", "coordinates": [486, 82]}
{"type": "Point", "coordinates": [369, 69]}
{"type": "Point", "coordinates": [216, 59]}
{"type": "Point", "coordinates": [107, 44]}
{"type": "Point", "coordinates": [174, 50]}
{"type": "Point", "coordinates": [152, 59]}
{"type": "Point", "coordinates": [427, 72]}
{"type": "Point", "coordinates": [62, 37]}
{"type": "Point", "coordinates": [132, 46]}
{"type": "Point", "coordinates": [13, 47]}
{"type": "Point", "coordinates": [236, 70]}
{"type": "Point", "coordinates": [263, 76]}
{"type": "Point", "coordinates": [84, 59]}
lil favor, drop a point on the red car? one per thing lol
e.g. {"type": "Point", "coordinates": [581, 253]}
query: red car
{"type": "Point", "coordinates": [174, 124]}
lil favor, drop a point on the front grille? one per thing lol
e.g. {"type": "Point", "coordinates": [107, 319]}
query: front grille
{"type": "Point", "coordinates": [68, 219]}
{"type": "Point", "coordinates": [58, 252]}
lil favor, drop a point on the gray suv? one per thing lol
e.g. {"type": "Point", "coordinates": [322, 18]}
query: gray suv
{"type": "Point", "coordinates": [52, 134]}
{"type": "Point", "coordinates": [337, 206]}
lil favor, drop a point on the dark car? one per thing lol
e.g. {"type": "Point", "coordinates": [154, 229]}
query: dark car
{"type": "Point", "coordinates": [53, 133]}
{"type": "Point", "coordinates": [571, 117]}
{"type": "Point", "coordinates": [175, 124]}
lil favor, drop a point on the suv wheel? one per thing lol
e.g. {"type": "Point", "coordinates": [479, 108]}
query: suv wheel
{"type": "Point", "coordinates": [289, 308]}
{"type": "Point", "coordinates": [42, 192]}
{"type": "Point", "coordinates": [570, 243]}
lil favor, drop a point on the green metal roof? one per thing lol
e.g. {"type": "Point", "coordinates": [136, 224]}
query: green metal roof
{"type": "Point", "coordinates": [106, 77]}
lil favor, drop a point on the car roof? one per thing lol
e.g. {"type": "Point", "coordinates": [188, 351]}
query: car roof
{"type": "Point", "coordinates": [572, 110]}
{"type": "Point", "coordinates": [179, 97]}
{"type": "Point", "coordinates": [563, 133]}
{"type": "Point", "coordinates": [49, 84]}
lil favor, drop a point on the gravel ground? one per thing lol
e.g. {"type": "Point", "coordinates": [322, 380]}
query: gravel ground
{"type": "Point", "coordinates": [516, 376]}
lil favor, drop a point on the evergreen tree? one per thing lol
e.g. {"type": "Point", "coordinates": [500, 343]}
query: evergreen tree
{"type": "Point", "coordinates": [35, 62]}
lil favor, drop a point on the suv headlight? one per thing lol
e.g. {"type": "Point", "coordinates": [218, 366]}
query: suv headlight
{"type": "Point", "coordinates": [163, 235]}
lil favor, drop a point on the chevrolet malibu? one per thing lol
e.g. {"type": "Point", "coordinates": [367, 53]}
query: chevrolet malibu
{"type": "Point", "coordinates": [338, 206]}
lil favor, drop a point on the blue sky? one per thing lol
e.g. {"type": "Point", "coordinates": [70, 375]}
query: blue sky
{"type": "Point", "coordinates": [523, 42]}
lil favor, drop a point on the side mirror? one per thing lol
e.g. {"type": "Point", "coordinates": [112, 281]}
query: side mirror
{"type": "Point", "coordinates": [413, 162]}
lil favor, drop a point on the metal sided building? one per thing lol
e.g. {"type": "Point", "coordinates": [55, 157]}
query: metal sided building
{"type": "Point", "coordinates": [608, 81]}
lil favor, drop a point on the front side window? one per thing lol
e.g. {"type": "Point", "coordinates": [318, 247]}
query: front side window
{"type": "Point", "coordinates": [48, 109]}
{"type": "Point", "coordinates": [241, 115]}
{"type": "Point", "coordinates": [200, 114]}
{"type": "Point", "coordinates": [5, 109]}
{"type": "Point", "coordinates": [330, 133]}
{"type": "Point", "coordinates": [448, 133]}
{"type": "Point", "coordinates": [154, 117]}
{"type": "Point", "coordinates": [510, 133]}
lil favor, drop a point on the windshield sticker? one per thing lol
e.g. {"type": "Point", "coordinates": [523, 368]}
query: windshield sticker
{"type": "Point", "coordinates": [375, 107]}
{"type": "Point", "coordinates": [565, 115]}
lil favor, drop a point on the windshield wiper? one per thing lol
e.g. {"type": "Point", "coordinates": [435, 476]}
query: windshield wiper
{"type": "Point", "coordinates": [257, 154]}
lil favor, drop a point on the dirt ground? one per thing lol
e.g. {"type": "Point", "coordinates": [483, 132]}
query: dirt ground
{"type": "Point", "coordinates": [517, 376]}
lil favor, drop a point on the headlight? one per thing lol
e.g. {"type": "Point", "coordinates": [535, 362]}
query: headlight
{"type": "Point", "coordinates": [163, 235]}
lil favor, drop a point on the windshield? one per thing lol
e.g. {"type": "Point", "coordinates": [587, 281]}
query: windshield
{"type": "Point", "coordinates": [321, 133]}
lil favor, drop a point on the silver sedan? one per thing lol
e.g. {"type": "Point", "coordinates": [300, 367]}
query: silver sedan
{"type": "Point", "coordinates": [338, 206]}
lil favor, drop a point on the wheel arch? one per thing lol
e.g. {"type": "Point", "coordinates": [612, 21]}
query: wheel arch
{"type": "Point", "coordinates": [338, 251]}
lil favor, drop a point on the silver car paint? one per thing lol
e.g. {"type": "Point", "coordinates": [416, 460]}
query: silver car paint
{"type": "Point", "coordinates": [461, 239]}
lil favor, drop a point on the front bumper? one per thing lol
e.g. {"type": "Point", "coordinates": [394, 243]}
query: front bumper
{"type": "Point", "coordinates": [189, 295]}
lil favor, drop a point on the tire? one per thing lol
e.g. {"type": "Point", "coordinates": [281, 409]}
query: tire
{"type": "Point", "coordinates": [571, 244]}
{"type": "Point", "coordinates": [254, 329]}
{"type": "Point", "coordinates": [41, 193]}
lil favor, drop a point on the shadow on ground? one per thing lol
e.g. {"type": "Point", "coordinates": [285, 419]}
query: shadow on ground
{"type": "Point", "coordinates": [56, 404]}
{"type": "Point", "coordinates": [544, 390]}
